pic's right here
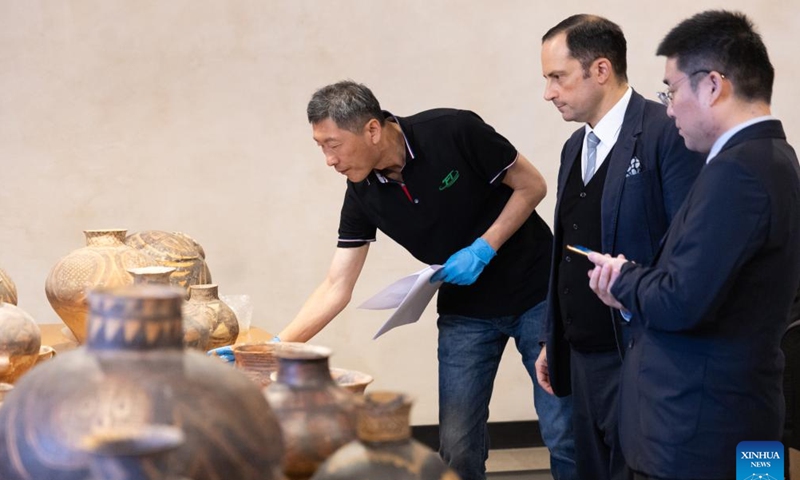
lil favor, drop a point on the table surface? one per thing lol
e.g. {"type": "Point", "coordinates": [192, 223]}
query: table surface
{"type": "Point", "coordinates": [53, 335]}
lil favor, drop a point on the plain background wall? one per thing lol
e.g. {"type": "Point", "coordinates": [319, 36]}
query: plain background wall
{"type": "Point", "coordinates": [189, 115]}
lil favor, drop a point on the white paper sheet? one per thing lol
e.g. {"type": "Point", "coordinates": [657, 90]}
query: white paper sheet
{"type": "Point", "coordinates": [409, 295]}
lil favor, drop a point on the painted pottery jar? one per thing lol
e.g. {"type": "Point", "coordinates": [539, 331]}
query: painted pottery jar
{"type": "Point", "coordinates": [102, 263]}
{"type": "Point", "coordinates": [8, 290]}
{"type": "Point", "coordinates": [134, 371]}
{"type": "Point", "coordinates": [316, 416]}
{"type": "Point", "coordinates": [177, 250]}
{"type": "Point", "coordinates": [384, 448]}
{"type": "Point", "coordinates": [205, 308]}
{"type": "Point", "coordinates": [134, 453]}
{"type": "Point", "coordinates": [20, 340]}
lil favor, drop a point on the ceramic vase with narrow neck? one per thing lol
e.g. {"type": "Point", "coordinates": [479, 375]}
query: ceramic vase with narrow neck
{"type": "Point", "coordinates": [205, 307]}
{"type": "Point", "coordinates": [102, 263]}
{"type": "Point", "coordinates": [133, 371]}
{"type": "Point", "coordinates": [317, 417]}
{"type": "Point", "coordinates": [384, 448]}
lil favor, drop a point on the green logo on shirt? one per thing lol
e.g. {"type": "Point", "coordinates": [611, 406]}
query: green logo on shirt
{"type": "Point", "coordinates": [449, 180]}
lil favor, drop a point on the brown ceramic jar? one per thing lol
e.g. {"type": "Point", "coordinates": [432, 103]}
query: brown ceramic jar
{"type": "Point", "coordinates": [384, 448]}
{"type": "Point", "coordinates": [205, 308]}
{"type": "Point", "coordinates": [316, 416]}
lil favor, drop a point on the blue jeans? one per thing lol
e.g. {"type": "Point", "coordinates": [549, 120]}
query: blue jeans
{"type": "Point", "coordinates": [469, 354]}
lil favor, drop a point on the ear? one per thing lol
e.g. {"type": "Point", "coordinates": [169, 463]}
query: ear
{"type": "Point", "coordinates": [603, 69]}
{"type": "Point", "coordinates": [373, 130]}
{"type": "Point", "coordinates": [717, 87]}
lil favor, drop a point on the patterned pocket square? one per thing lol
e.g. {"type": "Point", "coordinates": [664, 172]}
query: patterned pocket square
{"type": "Point", "coordinates": [634, 168]}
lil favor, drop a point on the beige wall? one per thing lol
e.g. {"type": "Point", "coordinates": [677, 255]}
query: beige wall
{"type": "Point", "coordinates": [188, 115]}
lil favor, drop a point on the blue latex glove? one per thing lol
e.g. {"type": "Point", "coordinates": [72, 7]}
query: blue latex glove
{"type": "Point", "coordinates": [226, 353]}
{"type": "Point", "coordinates": [464, 266]}
{"type": "Point", "coordinates": [223, 353]}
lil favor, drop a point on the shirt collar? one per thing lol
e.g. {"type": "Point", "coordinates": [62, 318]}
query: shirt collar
{"type": "Point", "coordinates": [388, 116]}
{"type": "Point", "coordinates": [723, 139]}
{"type": "Point", "coordinates": [608, 128]}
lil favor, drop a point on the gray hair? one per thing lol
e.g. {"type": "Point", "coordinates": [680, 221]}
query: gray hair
{"type": "Point", "coordinates": [349, 104]}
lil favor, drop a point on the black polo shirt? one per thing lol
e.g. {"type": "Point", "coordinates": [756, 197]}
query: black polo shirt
{"type": "Point", "coordinates": [452, 193]}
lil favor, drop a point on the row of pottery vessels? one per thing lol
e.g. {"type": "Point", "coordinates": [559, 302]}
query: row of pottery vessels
{"type": "Point", "coordinates": [331, 430]}
{"type": "Point", "coordinates": [133, 372]}
{"type": "Point", "coordinates": [111, 259]}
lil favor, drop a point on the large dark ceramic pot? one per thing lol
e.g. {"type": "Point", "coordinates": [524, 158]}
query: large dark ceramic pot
{"type": "Point", "coordinates": [316, 415]}
{"type": "Point", "coordinates": [133, 371]}
{"type": "Point", "coordinates": [384, 448]}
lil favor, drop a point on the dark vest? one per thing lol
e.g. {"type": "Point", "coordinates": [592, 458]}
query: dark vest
{"type": "Point", "coordinates": [587, 321]}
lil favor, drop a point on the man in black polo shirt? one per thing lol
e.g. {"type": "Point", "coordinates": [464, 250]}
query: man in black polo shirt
{"type": "Point", "coordinates": [452, 191]}
{"type": "Point", "coordinates": [623, 175]}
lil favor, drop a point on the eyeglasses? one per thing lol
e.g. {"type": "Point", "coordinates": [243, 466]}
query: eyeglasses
{"type": "Point", "coordinates": [666, 95]}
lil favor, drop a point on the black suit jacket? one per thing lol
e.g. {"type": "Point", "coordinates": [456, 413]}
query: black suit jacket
{"type": "Point", "coordinates": [705, 368]}
{"type": "Point", "coordinates": [635, 209]}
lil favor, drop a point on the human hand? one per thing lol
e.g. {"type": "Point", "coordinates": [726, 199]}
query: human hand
{"type": "Point", "coordinates": [223, 353]}
{"type": "Point", "coordinates": [602, 277]}
{"type": "Point", "coordinates": [542, 372]}
{"type": "Point", "coordinates": [464, 266]}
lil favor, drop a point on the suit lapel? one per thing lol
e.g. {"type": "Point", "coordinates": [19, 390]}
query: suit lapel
{"type": "Point", "coordinates": [618, 164]}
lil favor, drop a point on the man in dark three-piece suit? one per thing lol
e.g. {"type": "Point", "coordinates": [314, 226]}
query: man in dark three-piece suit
{"type": "Point", "coordinates": [622, 178]}
{"type": "Point", "coordinates": [704, 370]}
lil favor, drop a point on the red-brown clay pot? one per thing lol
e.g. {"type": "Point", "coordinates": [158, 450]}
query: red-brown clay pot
{"type": "Point", "coordinates": [257, 361]}
{"type": "Point", "coordinates": [316, 416]}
